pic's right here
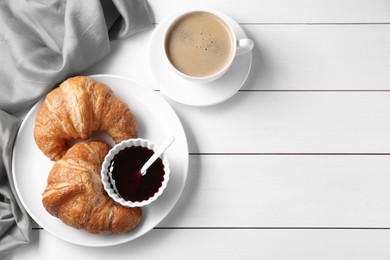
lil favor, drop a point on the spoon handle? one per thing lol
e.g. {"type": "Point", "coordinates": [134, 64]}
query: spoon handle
{"type": "Point", "coordinates": [157, 154]}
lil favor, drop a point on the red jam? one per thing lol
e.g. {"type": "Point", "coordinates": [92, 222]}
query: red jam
{"type": "Point", "coordinates": [126, 172]}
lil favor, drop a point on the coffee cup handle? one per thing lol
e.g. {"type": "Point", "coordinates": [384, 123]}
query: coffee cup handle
{"type": "Point", "coordinates": [244, 46]}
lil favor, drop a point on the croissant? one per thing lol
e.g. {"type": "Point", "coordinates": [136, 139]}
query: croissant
{"type": "Point", "coordinates": [75, 194]}
{"type": "Point", "coordinates": [79, 106]}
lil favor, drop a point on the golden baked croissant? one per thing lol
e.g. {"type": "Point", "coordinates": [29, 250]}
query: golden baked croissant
{"type": "Point", "coordinates": [75, 194]}
{"type": "Point", "coordinates": [79, 106]}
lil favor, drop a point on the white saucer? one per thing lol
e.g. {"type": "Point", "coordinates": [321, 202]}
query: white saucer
{"type": "Point", "coordinates": [195, 94]}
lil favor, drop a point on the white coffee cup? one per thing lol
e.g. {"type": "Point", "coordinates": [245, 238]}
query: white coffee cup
{"type": "Point", "coordinates": [190, 42]}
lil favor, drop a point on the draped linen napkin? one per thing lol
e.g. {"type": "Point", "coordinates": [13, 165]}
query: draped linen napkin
{"type": "Point", "coordinates": [41, 44]}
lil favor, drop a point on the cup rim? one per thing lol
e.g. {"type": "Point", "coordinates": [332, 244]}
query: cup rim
{"type": "Point", "coordinates": [106, 164]}
{"type": "Point", "coordinates": [233, 37]}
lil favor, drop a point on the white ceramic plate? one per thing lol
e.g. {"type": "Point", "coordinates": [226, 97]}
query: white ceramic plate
{"type": "Point", "coordinates": [156, 121]}
{"type": "Point", "coordinates": [190, 93]}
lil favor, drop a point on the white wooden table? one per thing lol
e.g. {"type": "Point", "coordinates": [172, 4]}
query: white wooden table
{"type": "Point", "coordinates": [297, 164]}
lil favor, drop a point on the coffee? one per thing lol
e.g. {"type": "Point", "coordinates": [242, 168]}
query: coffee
{"type": "Point", "coordinates": [199, 44]}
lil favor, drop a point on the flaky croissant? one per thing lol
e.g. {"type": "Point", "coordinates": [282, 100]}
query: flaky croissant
{"type": "Point", "coordinates": [79, 106]}
{"type": "Point", "coordinates": [75, 194]}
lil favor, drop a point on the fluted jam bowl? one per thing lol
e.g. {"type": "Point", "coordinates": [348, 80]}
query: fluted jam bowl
{"type": "Point", "coordinates": [122, 178]}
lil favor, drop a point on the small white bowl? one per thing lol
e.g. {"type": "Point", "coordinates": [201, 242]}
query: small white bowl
{"type": "Point", "coordinates": [106, 180]}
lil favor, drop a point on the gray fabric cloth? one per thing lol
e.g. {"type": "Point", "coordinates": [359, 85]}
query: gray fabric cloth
{"type": "Point", "coordinates": [41, 44]}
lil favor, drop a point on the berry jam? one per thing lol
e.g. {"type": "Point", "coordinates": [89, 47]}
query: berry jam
{"type": "Point", "coordinates": [125, 169]}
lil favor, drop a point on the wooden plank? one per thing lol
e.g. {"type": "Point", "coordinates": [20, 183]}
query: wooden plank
{"type": "Point", "coordinates": [290, 122]}
{"type": "Point", "coordinates": [223, 244]}
{"type": "Point", "coordinates": [327, 57]}
{"type": "Point", "coordinates": [285, 11]}
{"type": "Point", "coordinates": [284, 191]}
{"type": "Point", "coordinates": [286, 57]}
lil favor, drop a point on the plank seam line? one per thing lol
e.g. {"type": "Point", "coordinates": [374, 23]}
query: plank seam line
{"type": "Point", "coordinates": [262, 228]}
{"type": "Point", "coordinates": [315, 23]}
{"type": "Point", "coordinates": [308, 23]}
{"type": "Point", "coordinates": [308, 90]}
{"type": "Point", "coordinates": [287, 228]}
{"type": "Point", "coordinates": [314, 90]}
{"type": "Point", "coordinates": [297, 154]}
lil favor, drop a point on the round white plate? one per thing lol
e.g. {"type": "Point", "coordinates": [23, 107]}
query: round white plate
{"type": "Point", "coordinates": [195, 94]}
{"type": "Point", "coordinates": [156, 121]}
